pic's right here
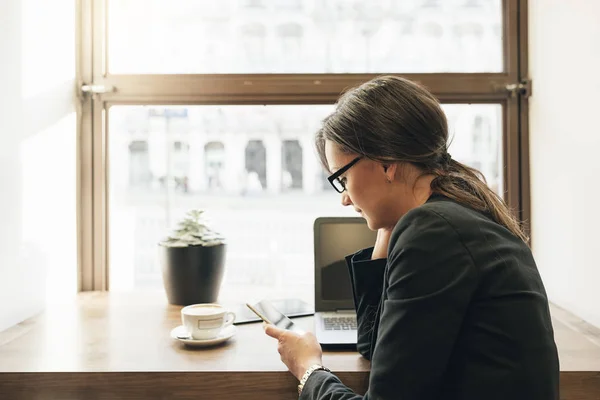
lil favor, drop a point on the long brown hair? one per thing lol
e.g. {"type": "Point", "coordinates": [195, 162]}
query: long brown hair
{"type": "Point", "coordinates": [391, 119]}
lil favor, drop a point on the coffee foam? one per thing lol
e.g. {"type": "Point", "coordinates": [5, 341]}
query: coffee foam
{"type": "Point", "coordinates": [204, 310]}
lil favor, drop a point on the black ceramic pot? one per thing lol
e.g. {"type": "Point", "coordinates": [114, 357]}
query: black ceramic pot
{"type": "Point", "coordinates": [192, 274]}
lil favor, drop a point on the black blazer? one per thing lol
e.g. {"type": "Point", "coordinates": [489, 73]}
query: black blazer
{"type": "Point", "coordinates": [457, 311]}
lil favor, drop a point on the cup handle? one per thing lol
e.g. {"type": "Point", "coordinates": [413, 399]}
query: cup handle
{"type": "Point", "coordinates": [230, 319]}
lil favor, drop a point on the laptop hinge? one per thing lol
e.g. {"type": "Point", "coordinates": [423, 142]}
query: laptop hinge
{"type": "Point", "coordinates": [345, 310]}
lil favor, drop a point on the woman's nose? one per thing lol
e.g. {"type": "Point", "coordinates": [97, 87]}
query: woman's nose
{"type": "Point", "coordinates": [346, 199]}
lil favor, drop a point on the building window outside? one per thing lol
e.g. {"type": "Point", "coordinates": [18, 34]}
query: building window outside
{"type": "Point", "coordinates": [253, 45]}
{"type": "Point", "coordinates": [214, 164]}
{"type": "Point", "coordinates": [290, 37]}
{"type": "Point", "coordinates": [256, 166]}
{"type": "Point", "coordinates": [289, 5]}
{"type": "Point", "coordinates": [253, 4]}
{"type": "Point", "coordinates": [292, 165]}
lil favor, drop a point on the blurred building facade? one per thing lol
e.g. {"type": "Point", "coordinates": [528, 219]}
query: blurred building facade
{"type": "Point", "coordinates": [195, 153]}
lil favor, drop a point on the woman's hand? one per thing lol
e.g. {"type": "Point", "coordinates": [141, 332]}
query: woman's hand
{"type": "Point", "coordinates": [298, 350]}
{"type": "Point", "coordinates": [381, 243]}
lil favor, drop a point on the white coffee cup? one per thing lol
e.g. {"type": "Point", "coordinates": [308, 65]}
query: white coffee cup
{"type": "Point", "coordinates": [206, 321]}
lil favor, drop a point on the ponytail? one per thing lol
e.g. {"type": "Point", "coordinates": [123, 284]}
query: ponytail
{"type": "Point", "coordinates": [468, 186]}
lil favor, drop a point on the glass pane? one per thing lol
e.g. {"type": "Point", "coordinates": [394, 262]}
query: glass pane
{"type": "Point", "coordinates": [304, 36]}
{"type": "Point", "coordinates": [254, 170]}
{"type": "Point", "coordinates": [476, 139]}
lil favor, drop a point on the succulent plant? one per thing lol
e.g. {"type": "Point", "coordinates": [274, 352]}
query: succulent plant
{"type": "Point", "coordinates": [193, 230]}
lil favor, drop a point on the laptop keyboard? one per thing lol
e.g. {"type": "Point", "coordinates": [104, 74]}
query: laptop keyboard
{"type": "Point", "coordinates": [339, 323]}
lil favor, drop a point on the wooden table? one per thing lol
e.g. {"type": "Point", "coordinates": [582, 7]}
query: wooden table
{"type": "Point", "coordinates": [117, 346]}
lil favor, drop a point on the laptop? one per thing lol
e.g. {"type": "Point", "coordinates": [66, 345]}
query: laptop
{"type": "Point", "coordinates": [334, 239]}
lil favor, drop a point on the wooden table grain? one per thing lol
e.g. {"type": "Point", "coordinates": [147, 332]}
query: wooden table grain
{"type": "Point", "coordinates": [118, 346]}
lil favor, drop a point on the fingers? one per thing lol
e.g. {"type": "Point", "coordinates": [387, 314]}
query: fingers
{"type": "Point", "coordinates": [273, 331]}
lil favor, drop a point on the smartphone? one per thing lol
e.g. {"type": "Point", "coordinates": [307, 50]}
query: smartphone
{"type": "Point", "coordinates": [268, 313]}
{"type": "Point", "coordinates": [291, 308]}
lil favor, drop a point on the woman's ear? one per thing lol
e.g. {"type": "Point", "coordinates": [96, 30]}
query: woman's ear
{"type": "Point", "coordinates": [390, 172]}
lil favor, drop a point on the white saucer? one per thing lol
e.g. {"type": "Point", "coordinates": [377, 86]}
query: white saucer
{"type": "Point", "coordinates": [181, 334]}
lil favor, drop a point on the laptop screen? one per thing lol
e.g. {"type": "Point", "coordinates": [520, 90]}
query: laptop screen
{"type": "Point", "coordinates": [335, 238]}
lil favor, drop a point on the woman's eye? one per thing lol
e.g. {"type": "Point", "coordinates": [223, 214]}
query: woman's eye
{"type": "Point", "coordinates": [343, 181]}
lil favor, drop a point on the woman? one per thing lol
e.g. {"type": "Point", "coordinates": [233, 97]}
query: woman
{"type": "Point", "coordinates": [449, 301]}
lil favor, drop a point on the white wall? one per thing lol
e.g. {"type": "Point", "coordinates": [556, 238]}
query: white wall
{"type": "Point", "coordinates": [564, 46]}
{"type": "Point", "coordinates": [38, 248]}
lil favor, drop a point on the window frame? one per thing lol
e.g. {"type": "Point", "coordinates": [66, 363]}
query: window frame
{"type": "Point", "coordinates": [238, 89]}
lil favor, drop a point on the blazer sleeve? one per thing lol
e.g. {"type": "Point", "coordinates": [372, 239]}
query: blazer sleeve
{"type": "Point", "coordinates": [430, 280]}
{"type": "Point", "coordinates": [366, 276]}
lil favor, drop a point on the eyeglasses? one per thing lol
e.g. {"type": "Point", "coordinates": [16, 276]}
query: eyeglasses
{"type": "Point", "coordinates": [340, 184]}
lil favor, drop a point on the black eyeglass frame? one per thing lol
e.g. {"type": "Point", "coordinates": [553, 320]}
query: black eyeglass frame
{"type": "Point", "coordinates": [331, 178]}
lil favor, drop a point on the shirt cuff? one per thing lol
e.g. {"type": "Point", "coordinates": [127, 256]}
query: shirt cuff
{"type": "Point", "coordinates": [367, 274]}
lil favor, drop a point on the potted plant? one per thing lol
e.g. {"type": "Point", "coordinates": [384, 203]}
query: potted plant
{"type": "Point", "coordinates": [193, 261]}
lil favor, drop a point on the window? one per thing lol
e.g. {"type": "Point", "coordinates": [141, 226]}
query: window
{"type": "Point", "coordinates": [214, 166]}
{"type": "Point", "coordinates": [251, 4]}
{"type": "Point", "coordinates": [292, 165]}
{"type": "Point", "coordinates": [253, 38]}
{"type": "Point", "coordinates": [218, 110]}
{"type": "Point", "coordinates": [175, 38]}
{"type": "Point", "coordinates": [139, 166]}
{"type": "Point", "coordinates": [291, 5]}
{"type": "Point", "coordinates": [431, 3]}
{"type": "Point", "coordinates": [262, 188]}
{"type": "Point", "coordinates": [290, 38]}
